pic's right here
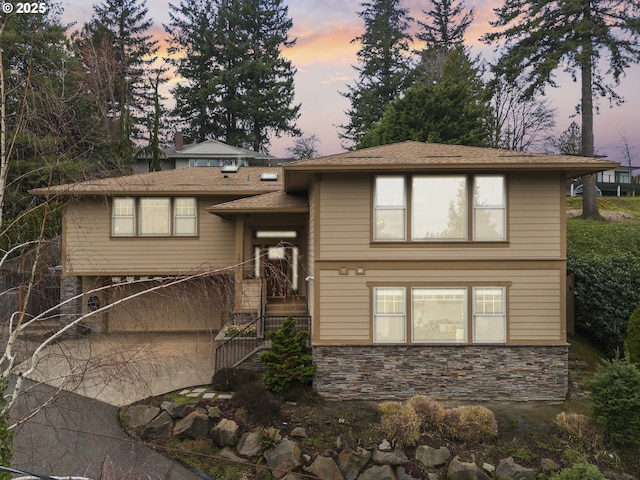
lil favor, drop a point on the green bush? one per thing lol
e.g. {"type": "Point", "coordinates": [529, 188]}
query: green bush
{"type": "Point", "coordinates": [632, 342]}
{"type": "Point", "coordinates": [607, 290]}
{"type": "Point", "coordinates": [230, 379]}
{"type": "Point", "coordinates": [615, 396]}
{"type": "Point", "coordinates": [260, 405]}
{"type": "Point", "coordinates": [580, 471]}
{"type": "Point", "coordinates": [288, 361]}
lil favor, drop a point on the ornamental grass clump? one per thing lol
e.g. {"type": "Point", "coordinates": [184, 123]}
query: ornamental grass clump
{"type": "Point", "coordinates": [429, 411]}
{"type": "Point", "coordinates": [580, 429]}
{"type": "Point", "coordinates": [470, 424]}
{"type": "Point", "coordinates": [400, 423]}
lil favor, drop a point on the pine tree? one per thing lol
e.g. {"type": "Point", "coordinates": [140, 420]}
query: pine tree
{"type": "Point", "coordinates": [444, 31]}
{"type": "Point", "coordinates": [123, 25]}
{"type": "Point", "coordinates": [542, 35]}
{"type": "Point", "coordinates": [384, 66]}
{"type": "Point", "coordinates": [239, 85]}
{"type": "Point", "coordinates": [191, 50]}
{"type": "Point", "coordinates": [454, 110]}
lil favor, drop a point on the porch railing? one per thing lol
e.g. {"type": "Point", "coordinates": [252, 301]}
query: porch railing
{"type": "Point", "coordinates": [244, 342]}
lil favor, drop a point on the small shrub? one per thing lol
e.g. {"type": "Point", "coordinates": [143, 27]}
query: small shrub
{"type": "Point", "coordinates": [580, 429]}
{"type": "Point", "coordinates": [288, 361]}
{"type": "Point", "coordinates": [259, 405]}
{"type": "Point", "coordinates": [230, 379]}
{"type": "Point", "coordinates": [615, 396]}
{"type": "Point", "coordinates": [470, 424]}
{"type": "Point", "coordinates": [632, 342]}
{"type": "Point", "coordinates": [429, 411]}
{"type": "Point", "coordinates": [580, 471]}
{"type": "Point", "coordinates": [400, 422]}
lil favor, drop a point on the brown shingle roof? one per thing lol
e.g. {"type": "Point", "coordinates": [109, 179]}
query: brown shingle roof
{"type": "Point", "coordinates": [186, 181]}
{"type": "Point", "coordinates": [268, 202]}
{"type": "Point", "coordinates": [411, 156]}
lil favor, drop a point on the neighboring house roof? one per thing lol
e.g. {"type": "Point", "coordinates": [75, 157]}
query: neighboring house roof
{"type": "Point", "coordinates": [265, 203]}
{"type": "Point", "coordinates": [412, 155]}
{"type": "Point", "coordinates": [213, 149]}
{"type": "Point", "coordinates": [183, 181]}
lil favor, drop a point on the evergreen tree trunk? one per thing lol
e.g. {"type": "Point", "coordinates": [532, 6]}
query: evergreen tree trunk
{"type": "Point", "coordinates": [589, 197]}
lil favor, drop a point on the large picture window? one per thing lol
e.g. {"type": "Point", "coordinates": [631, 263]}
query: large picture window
{"type": "Point", "coordinates": [442, 208]}
{"type": "Point", "coordinates": [154, 216]}
{"type": "Point", "coordinates": [452, 314]}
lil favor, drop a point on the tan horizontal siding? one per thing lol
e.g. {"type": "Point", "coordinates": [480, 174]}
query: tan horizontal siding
{"type": "Point", "coordinates": [534, 314]}
{"type": "Point", "coordinates": [534, 210]}
{"type": "Point", "coordinates": [89, 248]}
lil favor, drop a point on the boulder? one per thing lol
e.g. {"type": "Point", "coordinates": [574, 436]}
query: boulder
{"type": "Point", "coordinates": [325, 468]}
{"type": "Point", "coordinates": [194, 426]}
{"type": "Point", "coordinates": [249, 444]}
{"type": "Point", "coordinates": [510, 470]}
{"type": "Point", "coordinates": [178, 410]}
{"type": "Point", "coordinates": [401, 474]}
{"type": "Point", "coordinates": [299, 432]}
{"type": "Point", "coordinates": [395, 457]}
{"type": "Point", "coordinates": [547, 465]}
{"type": "Point", "coordinates": [283, 458]}
{"type": "Point", "coordinates": [159, 428]}
{"type": "Point", "coordinates": [225, 433]}
{"type": "Point", "coordinates": [141, 415]}
{"type": "Point", "coordinates": [432, 457]}
{"type": "Point", "coordinates": [378, 472]}
{"type": "Point", "coordinates": [353, 461]}
{"type": "Point", "coordinates": [459, 470]}
{"type": "Point", "coordinates": [229, 454]}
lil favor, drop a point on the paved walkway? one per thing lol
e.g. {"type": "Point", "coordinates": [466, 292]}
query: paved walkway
{"type": "Point", "coordinates": [120, 369]}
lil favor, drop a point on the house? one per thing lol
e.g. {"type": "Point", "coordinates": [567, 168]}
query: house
{"type": "Point", "coordinates": [426, 268]}
{"type": "Point", "coordinates": [617, 181]}
{"type": "Point", "coordinates": [210, 153]}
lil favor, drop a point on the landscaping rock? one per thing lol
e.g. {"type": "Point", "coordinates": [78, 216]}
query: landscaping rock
{"type": "Point", "coordinates": [385, 446]}
{"type": "Point", "coordinates": [159, 428]}
{"type": "Point", "coordinates": [547, 465]}
{"type": "Point", "coordinates": [249, 444]}
{"type": "Point", "coordinates": [395, 457]}
{"type": "Point", "coordinates": [510, 470]}
{"type": "Point", "coordinates": [225, 433]}
{"type": "Point", "coordinates": [432, 457]}
{"type": "Point", "coordinates": [353, 461]}
{"type": "Point", "coordinates": [487, 467]}
{"type": "Point", "coordinates": [229, 454]}
{"type": "Point", "coordinates": [378, 472]}
{"type": "Point", "coordinates": [284, 457]}
{"type": "Point", "coordinates": [401, 474]}
{"type": "Point", "coordinates": [299, 432]}
{"type": "Point", "coordinates": [178, 410]}
{"type": "Point", "coordinates": [141, 415]}
{"type": "Point", "coordinates": [459, 470]}
{"type": "Point", "coordinates": [325, 468]}
{"type": "Point", "coordinates": [194, 426]}
{"type": "Point", "coordinates": [618, 476]}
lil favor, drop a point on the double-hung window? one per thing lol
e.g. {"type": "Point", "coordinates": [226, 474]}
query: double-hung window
{"type": "Point", "coordinates": [433, 314]}
{"type": "Point", "coordinates": [154, 217]}
{"type": "Point", "coordinates": [444, 208]}
{"type": "Point", "coordinates": [123, 217]}
{"type": "Point", "coordinates": [389, 315]}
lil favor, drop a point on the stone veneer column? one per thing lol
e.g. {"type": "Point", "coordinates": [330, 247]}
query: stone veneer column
{"type": "Point", "coordinates": [446, 372]}
{"type": "Point", "coordinates": [70, 287]}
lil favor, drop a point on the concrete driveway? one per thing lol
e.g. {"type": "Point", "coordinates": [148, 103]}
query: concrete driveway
{"type": "Point", "coordinates": [120, 369]}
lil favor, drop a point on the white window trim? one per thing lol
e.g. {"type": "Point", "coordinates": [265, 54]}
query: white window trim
{"type": "Point", "coordinates": [402, 208]}
{"type": "Point", "coordinates": [131, 217]}
{"type": "Point", "coordinates": [176, 217]}
{"type": "Point", "coordinates": [137, 218]}
{"type": "Point", "coordinates": [465, 323]}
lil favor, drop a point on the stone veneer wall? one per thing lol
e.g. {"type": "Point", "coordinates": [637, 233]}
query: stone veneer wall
{"type": "Point", "coordinates": [474, 372]}
{"type": "Point", "coordinates": [70, 287]}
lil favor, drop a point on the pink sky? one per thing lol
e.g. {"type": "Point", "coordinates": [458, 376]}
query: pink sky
{"type": "Point", "coordinates": [323, 56]}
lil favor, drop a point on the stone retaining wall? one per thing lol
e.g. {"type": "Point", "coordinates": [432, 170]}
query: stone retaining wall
{"type": "Point", "coordinates": [500, 372]}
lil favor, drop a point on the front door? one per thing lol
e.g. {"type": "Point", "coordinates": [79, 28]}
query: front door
{"type": "Point", "coordinates": [278, 263]}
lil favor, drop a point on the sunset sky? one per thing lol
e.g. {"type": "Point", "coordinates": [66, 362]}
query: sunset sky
{"type": "Point", "coordinates": [324, 57]}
